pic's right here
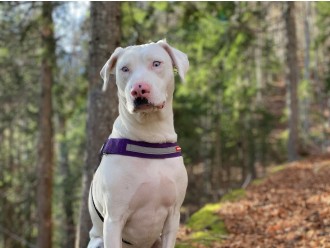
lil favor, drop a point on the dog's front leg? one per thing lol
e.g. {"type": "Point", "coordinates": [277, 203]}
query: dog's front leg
{"type": "Point", "coordinates": [170, 230]}
{"type": "Point", "coordinates": [112, 233]}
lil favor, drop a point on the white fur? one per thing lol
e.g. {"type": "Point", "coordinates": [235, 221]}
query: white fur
{"type": "Point", "coordinates": [140, 198]}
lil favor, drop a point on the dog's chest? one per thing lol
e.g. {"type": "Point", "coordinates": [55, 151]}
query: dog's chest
{"type": "Point", "coordinates": [149, 207]}
{"type": "Point", "coordinates": [154, 192]}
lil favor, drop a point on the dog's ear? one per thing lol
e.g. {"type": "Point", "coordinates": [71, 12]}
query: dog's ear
{"type": "Point", "coordinates": [179, 59]}
{"type": "Point", "coordinates": [109, 67]}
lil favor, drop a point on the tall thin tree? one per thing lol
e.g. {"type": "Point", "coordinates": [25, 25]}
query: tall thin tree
{"type": "Point", "coordinates": [293, 77]}
{"type": "Point", "coordinates": [45, 139]}
{"type": "Point", "coordinates": [306, 100]}
{"type": "Point", "coordinates": [102, 106]}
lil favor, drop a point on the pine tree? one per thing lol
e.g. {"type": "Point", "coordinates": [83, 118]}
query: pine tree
{"type": "Point", "coordinates": [293, 77]}
{"type": "Point", "coordinates": [45, 161]}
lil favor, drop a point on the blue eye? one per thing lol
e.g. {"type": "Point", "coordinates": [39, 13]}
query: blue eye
{"type": "Point", "coordinates": [156, 63]}
{"type": "Point", "coordinates": [125, 69]}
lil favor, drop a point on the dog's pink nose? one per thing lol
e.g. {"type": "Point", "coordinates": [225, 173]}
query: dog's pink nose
{"type": "Point", "coordinates": [140, 90]}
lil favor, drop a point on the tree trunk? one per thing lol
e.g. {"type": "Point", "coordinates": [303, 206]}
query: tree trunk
{"type": "Point", "coordinates": [7, 209]}
{"type": "Point", "coordinates": [45, 139]}
{"type": "Point", "coordinates": [306, 98]}
{"type": "Point", "coordinates": [251, 147]}
{"type": "Point", "coordinates": [102, 106]}
{"type": "Point", "coordinates": [67, 186]}
{"type": "Point", "coordinates": [217, 164]}
{"type": "Point", "coordinates": [292, 65]}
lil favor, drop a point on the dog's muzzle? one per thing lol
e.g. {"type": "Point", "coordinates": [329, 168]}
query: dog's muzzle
{"type": "Point", "coordinates": [142, 104]}
{"type": "Point", "coordinates": [141, 101]}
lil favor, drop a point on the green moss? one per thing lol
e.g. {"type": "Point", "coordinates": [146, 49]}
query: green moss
{"type": "Point", "coordinates": [204, 237]}
{"type": "Point", "coordinates": [258, 181]}
{"type": "Point", "coordinates": [206, 225]}
{"type": "Point", "coordinates": [206, 218]}
{"type": "Point", "coordinates": [233, 195]}
{"type": "Point", "coordinates": [183, 245]}
{"type": "Point", "coordinates": [277, 168]}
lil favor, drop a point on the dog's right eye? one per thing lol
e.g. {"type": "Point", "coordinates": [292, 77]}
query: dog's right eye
{"type": "Point", "coordinates": [125, 69]}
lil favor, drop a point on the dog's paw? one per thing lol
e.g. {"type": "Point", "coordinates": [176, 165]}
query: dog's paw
{"type": "Point", "coordinates": [96, 243]}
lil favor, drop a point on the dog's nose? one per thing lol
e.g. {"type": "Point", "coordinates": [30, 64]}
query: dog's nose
{"type": "Point", "coordinates": [140, 90]}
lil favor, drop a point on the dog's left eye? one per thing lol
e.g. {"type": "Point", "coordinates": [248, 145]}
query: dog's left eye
{"type": "Point", "coordinates": [156, 63]}
{"type": "Point", "coordinates": [125, 69]}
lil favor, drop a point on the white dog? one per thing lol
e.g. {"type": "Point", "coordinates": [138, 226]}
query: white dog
{"type": "Point", "coordinates": [139, 187]}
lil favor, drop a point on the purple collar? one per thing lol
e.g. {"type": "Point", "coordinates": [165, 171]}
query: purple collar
{"type": "Point", "coordinates": [141, 149]}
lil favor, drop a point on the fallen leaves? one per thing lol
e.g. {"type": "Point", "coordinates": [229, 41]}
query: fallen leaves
{"type": "Point", "coordinates": [290, 208]}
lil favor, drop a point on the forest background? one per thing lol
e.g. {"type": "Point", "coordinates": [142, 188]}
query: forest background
{"type": "Point", "coordinates": [257, 93]}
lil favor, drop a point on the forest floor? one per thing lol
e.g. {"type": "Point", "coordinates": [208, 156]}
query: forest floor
{"type": "Point", "coordinates": [288, 208]}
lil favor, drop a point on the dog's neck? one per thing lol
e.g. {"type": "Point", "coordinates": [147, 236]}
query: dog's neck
{"type": "Point", "coordinates": [153, 127]}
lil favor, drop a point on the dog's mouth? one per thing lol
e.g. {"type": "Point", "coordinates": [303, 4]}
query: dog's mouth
{"type": "Point", "coordinates": [142, 104]}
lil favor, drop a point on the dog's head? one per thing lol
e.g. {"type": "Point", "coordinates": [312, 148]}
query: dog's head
{"type": "Point", "coordinates": [145, 74]}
